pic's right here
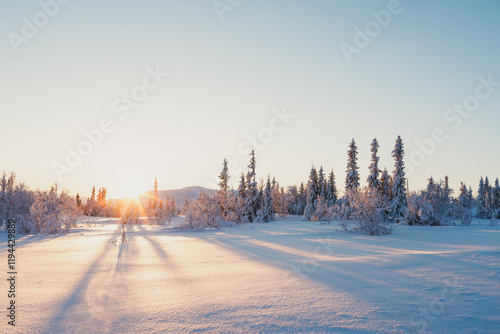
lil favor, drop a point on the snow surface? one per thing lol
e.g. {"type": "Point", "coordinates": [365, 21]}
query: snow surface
{"type": "Point", "coordinates": [285, 276]}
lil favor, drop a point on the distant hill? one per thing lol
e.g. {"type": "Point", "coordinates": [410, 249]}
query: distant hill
{"type": "Point", "coordinates": [179, 195]}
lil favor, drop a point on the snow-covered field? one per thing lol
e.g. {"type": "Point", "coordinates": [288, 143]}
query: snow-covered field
{"type": "Point", "coordinates": [286, 276]}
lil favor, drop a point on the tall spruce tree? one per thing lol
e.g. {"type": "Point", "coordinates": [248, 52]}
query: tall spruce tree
{"type": "Point", "coordinates": [155, 190]}
{"type": "Point", "coordinates": [312, 194]}
{"type": "Point", "coordinates": [496, 197]}
{"type": "Point", "coordinates": [373, 179]}
{"type": "Point", "coordinates": [252, 199]}
{"type": "Point", "coordinates": [385, 184]}
{"type": "Point", "coordinates": [488, 198]}
{"type": "Point", "coordinates": [331, 189]}
{"type": "Point", "coordinates": [399, 202]}
{"type": "Point", "coordinates": [481, 200]}
{"type": "Point", "coordinates": [224, 177]}
{"type": "Point", "coordinates": [321, 183]}
{"type": "Point", "coordinates": [352, 175]}
{"type": "Point", "coordinates": [268, 203]}
{"type": "Point", "coordinates": [242, 187]}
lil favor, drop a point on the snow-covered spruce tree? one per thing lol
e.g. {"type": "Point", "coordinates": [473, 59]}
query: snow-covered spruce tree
{"type": "Point", "coordinates": [302, 198]}
{"type": "Point", "coordinates": [482, 210]}
{"type": "Point", "coordinates": [488, 198]}
{"type": "Point", "coordinates": [152, 206]}
{"type": "Point", "coordinates": [373, 178]}
{"type": "Point", "coordinates": [183, 210]}
{"type": "Point", "coordinates": [312, 194]}
{"type": "Point", "coordinates": [464, 206]}
{"type": "Point", "coordinates": [96, 205]}
{"type": "Point", "coordinates": [429, 211]}
{"type": "Point", "coordinates": [91, 207]}
{"type": "Point", "coordinates": [386, 185]}
{"type": "Point", "coordinates": [496, 199]}
{"type": "Point", "coordinates": [224, 177]}
{"type": "Point", "coordinates": [268, 203]}
{"type": "Point", "coordinates": [222, 193]}
{"type": "Point", "coordinates": [399, 202]}
{"type": "Point", "coordinates": [171, 209]}
{"type": "Point", "coordinates": [292, 194]}
{"type": "Point", "coordinates": [447, 199]}
{"type": "Point", "coordinates": [232, 210]}
{"type": "Point", "coordinates": [437, 197]}
{"type": "Point", "coordinates": [241, 201]}
{"type": "Point", "coordinates": [415, 201]}
{"type": "Point", "coordinates": [78, 200]}
{"type": "Point", "coordinates": [155, 189]}
{"type": "Point", "coordinates": [252, 203]}
{"type": "Point", "coordinates": [352, 175]}
{"type": "Point", "coordinates": [321, 183]}
{"type": "Point", "coordinates": [281, 201]}
{"type": "Point", "coordinates": [294, 202]}
{"type": "Point", "coordinates": [472, 201]}
{"type": "Point", "coordinates": [386, 191]}
{"type": "Point", "coordinates": [351, 180]}
{"type": "Point", "coordinates": [331, 189]}
{"type": "Point", "coordinates": [260, 199]}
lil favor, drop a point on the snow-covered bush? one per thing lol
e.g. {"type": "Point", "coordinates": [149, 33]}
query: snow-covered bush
{"type": "Point", "coordinates": [431, 206]}
{"type": "Point", "coordinates": [206, 211]}
{"type": "Point", "coordinates": [428, 215]}
{"type": "Point", "coordinates": [130, 213]}
{"type": "Point", "coordinates": [322, 212]}
{"type": "Point", "coordinates": [36, 211]}
{"type": "Point", "coordinates": [51, 213]}
{"type": "Point", "coordinates": [366, 212]}
{"type": "Point", "coordinates": [280, 201]}
{"type": "Point", "coordinates": [413, 212]}
{"type": "Point", "coordinates": [495, 217]}
{"type": "Point", "coordinates": [15, 201]}
{"type": "Point", "coordinates": [159, 213]}
{"type": "Point", "coordinates": [69, 213]}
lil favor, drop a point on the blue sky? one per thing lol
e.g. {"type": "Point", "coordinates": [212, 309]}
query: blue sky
{"type": "Point", "coordinates": [227, 76]}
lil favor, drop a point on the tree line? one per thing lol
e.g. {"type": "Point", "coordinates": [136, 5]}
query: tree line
{"type": "Point", "coordinates": [384, 199]}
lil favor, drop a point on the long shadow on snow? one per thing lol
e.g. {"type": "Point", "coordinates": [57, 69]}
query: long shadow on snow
{"type": "Point", "coordinates": [342, 276]}
{"type": "Point", "coordinates": [79, 292]}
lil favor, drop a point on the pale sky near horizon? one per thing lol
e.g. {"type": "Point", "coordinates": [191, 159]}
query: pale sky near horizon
{"type": "Point", "coordinates": [228, 78]}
